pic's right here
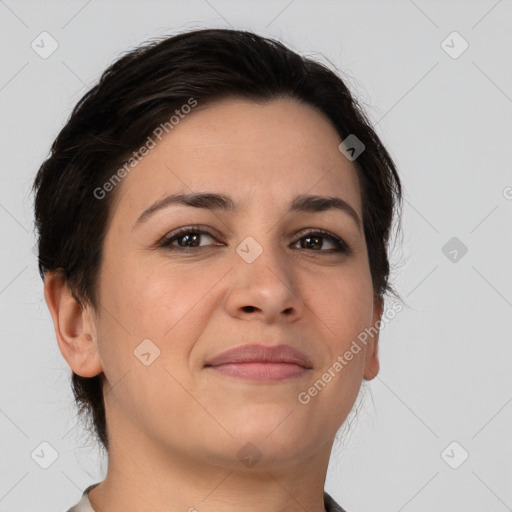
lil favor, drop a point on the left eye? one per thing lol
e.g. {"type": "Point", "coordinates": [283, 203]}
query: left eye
{"type": "Point", "coordinates": [314, 239]}
{"type": "Point", "coordinates": [188, 240]}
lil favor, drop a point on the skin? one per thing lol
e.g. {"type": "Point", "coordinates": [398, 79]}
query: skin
{"type": "Point", "coordinates": [175, 427]}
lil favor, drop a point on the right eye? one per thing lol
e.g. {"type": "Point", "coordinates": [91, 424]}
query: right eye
{"type": "Point", "coordinates": [187, 239]}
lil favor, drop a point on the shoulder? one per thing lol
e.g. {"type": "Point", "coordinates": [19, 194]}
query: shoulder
{"type": "Point", "coordinates": [331, 505]}
{"type": "Point", "coordinates": [84, 504]}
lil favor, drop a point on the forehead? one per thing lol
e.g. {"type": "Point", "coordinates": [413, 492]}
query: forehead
{"type": "Point", "coordinates": [270, 151]}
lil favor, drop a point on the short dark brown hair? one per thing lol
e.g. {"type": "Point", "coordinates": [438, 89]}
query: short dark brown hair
{"type": "Point", "coordinates": [140, 91]}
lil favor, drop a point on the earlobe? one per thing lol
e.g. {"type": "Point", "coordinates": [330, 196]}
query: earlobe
{"type": "Point", "coordinates": [372, 364]}
{"type": "Point", "coordinates": [74, 327]}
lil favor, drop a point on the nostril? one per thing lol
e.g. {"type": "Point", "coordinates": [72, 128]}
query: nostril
{"type": "Point", "coordinates": [249, 309]}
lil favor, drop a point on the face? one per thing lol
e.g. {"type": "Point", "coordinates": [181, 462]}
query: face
{"type": "Point", "coordinates": [257, 273]}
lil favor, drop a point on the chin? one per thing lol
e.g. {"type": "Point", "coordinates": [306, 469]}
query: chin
{"type": "Point", "coordinates": [260, 453]}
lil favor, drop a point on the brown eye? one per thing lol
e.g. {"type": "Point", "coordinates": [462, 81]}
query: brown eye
{"type": "Point", "coordinates": [186, 238]}
{"type": "Point", "coordinates": [314, 241]}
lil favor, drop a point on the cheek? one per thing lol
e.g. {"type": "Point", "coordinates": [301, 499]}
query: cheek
{"type": "Point", "coordinates": [342, 304]}
{"type": "Point", "coordinates": [342, 308]}
{"type": "Point", "coordinates": [165, 302]}
{"type": "Point", "coordinates": [156, 303]}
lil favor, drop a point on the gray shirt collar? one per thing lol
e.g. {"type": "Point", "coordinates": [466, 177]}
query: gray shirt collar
{"type": "Point", "coordinates": [84, 505]}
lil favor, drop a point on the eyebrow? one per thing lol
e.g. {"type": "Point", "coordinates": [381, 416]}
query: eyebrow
{"type": "Point", "coordinates": [302, 203]}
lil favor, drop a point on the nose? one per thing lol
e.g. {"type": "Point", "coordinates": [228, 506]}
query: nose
{"type": "Point", "coordinates": [266, 288]}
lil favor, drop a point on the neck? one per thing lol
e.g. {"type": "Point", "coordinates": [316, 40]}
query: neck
{"type": "Point", "coordinates": [143, 476]}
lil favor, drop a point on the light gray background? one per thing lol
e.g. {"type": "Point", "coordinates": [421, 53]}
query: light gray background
{"type": "Point", "coordinates": [445, 359]}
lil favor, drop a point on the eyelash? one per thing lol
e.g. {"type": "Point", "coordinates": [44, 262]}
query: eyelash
{"type": "Point", "coordinates": [341, 246]}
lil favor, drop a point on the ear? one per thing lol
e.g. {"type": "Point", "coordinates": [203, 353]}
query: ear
{"type": "Point", "coordinates": [372, 365]}
{"type": "Point", "coordinates": [75, 327]}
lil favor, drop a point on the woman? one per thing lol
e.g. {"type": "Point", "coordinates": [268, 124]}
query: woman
{"type": "Point", "coordinates": [213, 223]}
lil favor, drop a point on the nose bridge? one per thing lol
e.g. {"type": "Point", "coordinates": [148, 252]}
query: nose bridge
{"type": "Point", "coordinates": [263, 278]}
{"type": "Point", "coordinates": [258, 232]}
{"type": "Point", "coordinates": [262, 257]}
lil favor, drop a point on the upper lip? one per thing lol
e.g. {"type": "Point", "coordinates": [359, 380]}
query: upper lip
{"type": "Point", "coordinates": [262, 354]}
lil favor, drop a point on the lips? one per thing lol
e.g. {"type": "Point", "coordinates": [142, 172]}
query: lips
{"type": "Point", "coordinates": [261, 354]}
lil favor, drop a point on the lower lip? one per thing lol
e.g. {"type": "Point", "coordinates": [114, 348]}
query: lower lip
{"type": "Point", "coordinates": [261, 371]}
